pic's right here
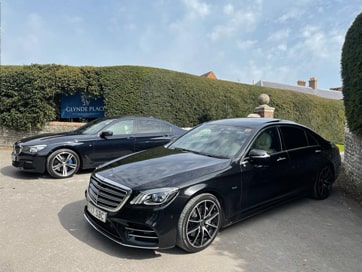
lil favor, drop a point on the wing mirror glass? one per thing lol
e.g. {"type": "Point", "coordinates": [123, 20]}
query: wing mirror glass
{"type": "Point", "coordinates": [106, 133]}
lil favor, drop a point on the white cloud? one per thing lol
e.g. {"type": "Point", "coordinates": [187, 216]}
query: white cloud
{"type": "Point", "coordinates": [248, 44]}
{"type": "Point", "coordinates": [197, 8]}
{"type": "Point", "coordinates": [238, 22]}
{"type": "Point", "coordinates": [282, 47]}
{"type": "Point", "coordinates": [291, 15]}
{"type": "Point", "coordinates": [279, 35]}
{"type": "Point", "coordinates": [228, 9]}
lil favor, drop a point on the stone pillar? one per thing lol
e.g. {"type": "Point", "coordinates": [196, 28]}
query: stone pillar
{"type": "Point", "coordinates": [263, 109]}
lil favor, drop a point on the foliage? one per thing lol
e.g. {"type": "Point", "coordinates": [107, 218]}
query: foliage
{"type": "Point", "coordinates": [180, 98]}
{"type": "Point", "coordinates": [30, 95]}
{"type": "Point", "coordinates": [352, 75]}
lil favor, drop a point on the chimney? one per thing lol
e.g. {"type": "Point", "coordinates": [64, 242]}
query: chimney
{"type": "Point", "coordinates": [313, 83]}
{"type": "Point", "coordinates": [301, 82]}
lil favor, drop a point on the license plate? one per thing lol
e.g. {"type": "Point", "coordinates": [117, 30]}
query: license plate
{"type": "Point", "coordinates": [97, 213]}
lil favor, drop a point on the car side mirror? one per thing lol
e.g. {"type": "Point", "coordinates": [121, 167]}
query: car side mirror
{"type": "Point", "coordinates": [106, 133]}
{"type": "Point", "coordinates": [258, 156]}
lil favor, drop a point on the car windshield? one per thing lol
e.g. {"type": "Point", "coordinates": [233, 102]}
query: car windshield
{"type": "Point", "coordinates": [94, 126]}
{"type": "Point", "coordinates": [213, 140]}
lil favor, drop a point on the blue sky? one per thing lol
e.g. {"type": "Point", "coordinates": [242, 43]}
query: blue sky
{"type": "Point", "coordinates": [239, 40]}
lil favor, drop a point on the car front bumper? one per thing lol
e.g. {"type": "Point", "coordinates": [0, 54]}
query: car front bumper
{"type": "Point", "coordinates": [28, 162]}
{"type": "Point", "coordinates": [139, 228]}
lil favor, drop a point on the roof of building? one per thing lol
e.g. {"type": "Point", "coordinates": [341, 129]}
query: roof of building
{"type": "Point", "coordinates": [209, 75]}
{"type": "Point", "coordinates": [338, 95]}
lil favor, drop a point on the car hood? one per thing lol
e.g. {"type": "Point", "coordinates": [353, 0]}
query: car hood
{"type": "Point", "coordinates": [161, 167]}
{"type": "Point", "coordinates": [50, 138]}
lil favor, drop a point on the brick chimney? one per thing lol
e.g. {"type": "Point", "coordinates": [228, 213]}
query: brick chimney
{"type": "Point", "coordinates": [313, 83]}
{"type": "Point", "coordinates": [301, 82]}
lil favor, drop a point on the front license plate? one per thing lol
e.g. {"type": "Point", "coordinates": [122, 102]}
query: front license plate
{"type": "Point", "coordinates": [97, 213]}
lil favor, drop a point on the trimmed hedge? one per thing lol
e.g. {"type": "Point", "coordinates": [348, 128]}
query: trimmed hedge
{"type": "Point", "coordinates": [352, 75]}
{"type": "Point", "coordinates": [30, 97]}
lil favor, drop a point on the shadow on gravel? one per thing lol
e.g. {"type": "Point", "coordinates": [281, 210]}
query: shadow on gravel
{"type": "Point", "coordinates": [71, 218]}
{"type": "Point", "coordinates": [10, 171]}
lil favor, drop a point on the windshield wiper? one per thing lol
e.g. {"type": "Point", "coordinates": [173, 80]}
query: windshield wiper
{"type": "Point", "coordinates": [201, 153]}
{"type": "Point", "coordinates": [183, 149]}
{"type": "Point", "coordinates": [214, 156]}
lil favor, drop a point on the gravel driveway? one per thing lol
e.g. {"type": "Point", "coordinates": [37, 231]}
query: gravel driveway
{"type": "Point", "coordinates": [42, 229]}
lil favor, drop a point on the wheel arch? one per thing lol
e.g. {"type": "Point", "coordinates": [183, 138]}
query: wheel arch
{"type": "Point", "coordinates": [199, 189]}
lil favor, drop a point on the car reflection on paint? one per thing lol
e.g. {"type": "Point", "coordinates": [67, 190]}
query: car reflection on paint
{"type": "Point", "coordinates": [215, 175]}
{"type": "Point", "coordinates": [99, 141]}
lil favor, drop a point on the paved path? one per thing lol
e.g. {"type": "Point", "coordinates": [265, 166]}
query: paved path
{"type": "Point", "coordinates": [42, 229]}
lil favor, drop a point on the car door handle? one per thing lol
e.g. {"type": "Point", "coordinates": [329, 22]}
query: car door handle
{"type": "Point", "coordinates": [281, 159]}
{"type": "Point", "coordinates": [318, 151]}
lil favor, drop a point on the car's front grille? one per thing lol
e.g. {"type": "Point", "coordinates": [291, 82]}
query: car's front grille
{"type": "Point", "coordinates": [106, 194]}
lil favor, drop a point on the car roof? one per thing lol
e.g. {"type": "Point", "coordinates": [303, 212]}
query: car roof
{"type": "Point", "coordinates": [251, 122]}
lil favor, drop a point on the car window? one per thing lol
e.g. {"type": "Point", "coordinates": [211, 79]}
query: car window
{"type": "Point", "coordinates": [122, 127]}
{"type": "Point", "coordinates": [311, 139]}
{"type": "Point", "coordinates": [94, 127]}
{"type": "Point", "coordinates": [214, 140]}
{"type": "Point", "coordinates": [268, 140]}
{"type": "Point", "coordinates": [294, 137]}
{"type": "Point", "coordinates": [153, 126]}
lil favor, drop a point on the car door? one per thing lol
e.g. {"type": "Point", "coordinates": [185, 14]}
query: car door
{"type": "Point", "coordinates": [151, 133]}
{"type": "Point", "coordinates": [304, 152]}
{"type": "Point", "coordinates": [115, 140]}
{"type": "Point", "coordinates": [264, 179]}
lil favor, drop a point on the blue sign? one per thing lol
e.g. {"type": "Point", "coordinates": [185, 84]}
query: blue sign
{"type": "Point", "coordinates": [81, 106]}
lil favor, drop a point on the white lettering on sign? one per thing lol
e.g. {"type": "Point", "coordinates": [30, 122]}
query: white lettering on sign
{"type": "Point", "coordinates": [84, 109]}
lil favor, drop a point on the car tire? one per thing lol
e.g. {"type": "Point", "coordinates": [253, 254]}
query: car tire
{"type": "Point", "coordinates": [323, 184]}
{"type": "Point", "coordinates": [63, 163]}
{"type": "Point", "coordinates": [199, 223]}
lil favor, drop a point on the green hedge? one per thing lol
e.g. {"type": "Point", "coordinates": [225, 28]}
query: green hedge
{"type": "Point", "coordinates": [30, 97]}
{"type": "Point", "coordinates": [352, 75]}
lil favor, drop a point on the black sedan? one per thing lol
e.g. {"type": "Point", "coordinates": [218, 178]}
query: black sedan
{"type": "Point", "coordinates": [99, 141]}
{"type": "Point", "coordinates": [213, 176]}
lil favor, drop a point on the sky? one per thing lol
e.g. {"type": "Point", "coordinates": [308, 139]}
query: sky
{"type": "Point", "coordinates": [239, 40]}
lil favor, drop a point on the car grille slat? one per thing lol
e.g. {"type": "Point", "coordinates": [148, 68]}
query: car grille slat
{"type": "Point", "coordinates": [96, 186]}
{"type": "Point", "coordinates": [106, 194]}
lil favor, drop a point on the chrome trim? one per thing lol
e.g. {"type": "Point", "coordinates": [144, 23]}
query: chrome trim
{"type": "Point", "coordinates": [136, 235]}
{"type": "Point", "coordinates": [111, 238]}
{"type": "Point", "coordinates": [116, 198]}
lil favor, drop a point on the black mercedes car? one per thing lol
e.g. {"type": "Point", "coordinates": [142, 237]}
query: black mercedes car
{"type": "Point", "coordinates": [99, 141]}
{"type": "Point", "coordinates": [211, 177]}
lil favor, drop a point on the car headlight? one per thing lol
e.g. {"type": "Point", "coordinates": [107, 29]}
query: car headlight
{"type": "Point", "coordinates": [33, 148]}
{"type": "Point", "coordinates": [154, 197]}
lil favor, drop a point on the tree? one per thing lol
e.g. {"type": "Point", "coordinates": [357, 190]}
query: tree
{"type": "Point", "coordinates": [352, 75]}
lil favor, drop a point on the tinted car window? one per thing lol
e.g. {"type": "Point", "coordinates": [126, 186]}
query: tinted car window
{"type": "Point", "coordinates": [122, 127]}
{"type": "Point", "coordinates": [268, 140]}
{"type": "Point", "coordinates": [94, 126]}
{"type": "Point", "coordinates": [311, 139]}
{"type": "Point", "coordinates": [294, 137]}
{"type": "Point", "coordinates": [153, 126]}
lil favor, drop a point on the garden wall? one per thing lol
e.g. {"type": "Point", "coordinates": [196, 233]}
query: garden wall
{"type": "Point", "coordinates": [350, 178]}
{"type": "Point", "coordinates": [10, 136]}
